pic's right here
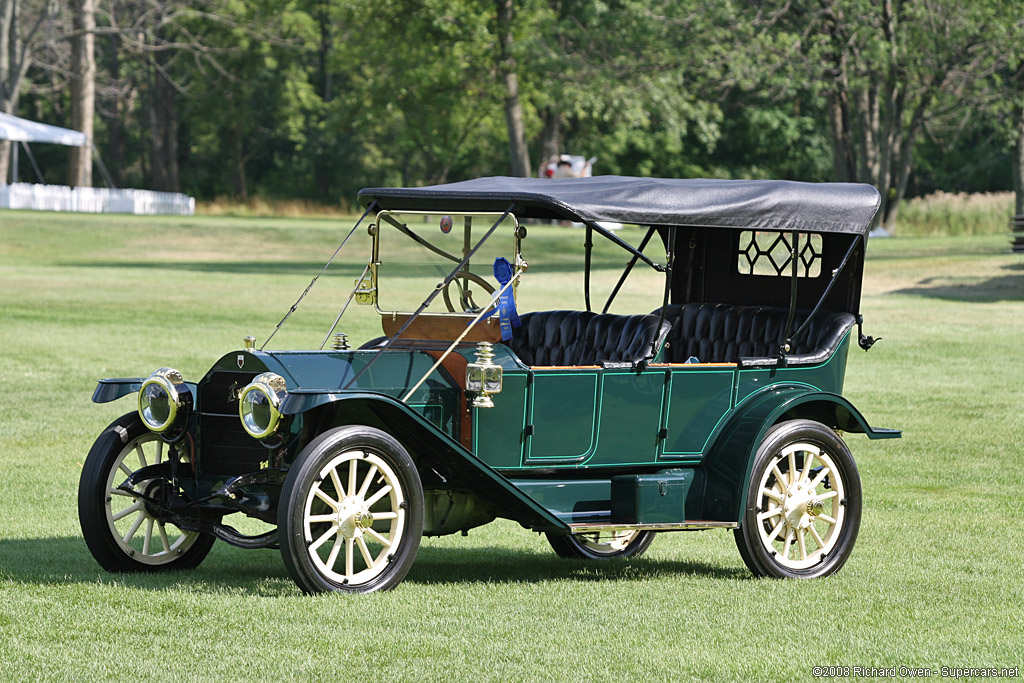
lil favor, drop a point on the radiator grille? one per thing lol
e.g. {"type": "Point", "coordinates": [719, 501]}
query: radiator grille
{"type": "Point", "coordinates": [219, 392]}
{"type": "Point", "coordinates": [224, 447]}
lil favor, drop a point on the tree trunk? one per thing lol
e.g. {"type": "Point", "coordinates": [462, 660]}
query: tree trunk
{"type": "Point", "coordinates": [238, 179]}
{"type": "Point", "coordinates": [162, 115]}
{"type": "Point", "coordinates": [157, 154]}
{"type": "Point", "coordinates": [83, 90]}
{"type": "Point", "coordinates": [844, 166]}
{"type": "Point", "coordinates": [168, 116]}
{"type": "Point", "coordinates": [891, 137]}
{"type": "Point", "coordinates": [892, 140]}
{"type": "Point", "coordinates": [518, 151]}
{"type": "Point", "coordinates": [8, 70]}
{"type": "Point", "coordinates": [869, 140]}
{"type": "Point", "coordinates": [114, 152]}
{"type": "Point", "coordinates": [904, 158]}
{"type": "Point", "coordinates": [324, 50]}
{"type": "Point", "coordinates": [1018, 167]}
{"type": "Point", "coordinates": [551, 135]}
{"type": "Point", "coordinates": [844, 154]}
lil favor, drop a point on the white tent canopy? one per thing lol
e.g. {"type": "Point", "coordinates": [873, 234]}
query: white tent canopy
{"type": "Point", "coordinates": [23, 130]}
{"type": "Point", "coordinates": [62, 198]}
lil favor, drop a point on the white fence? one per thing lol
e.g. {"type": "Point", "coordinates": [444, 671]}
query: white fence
{"type": "Point", "coordinates": [94, 200]}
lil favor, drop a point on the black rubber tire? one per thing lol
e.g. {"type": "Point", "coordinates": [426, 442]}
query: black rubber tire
{"type": "Point", "coordinates": [758, 558]}
{"type": "Point", "coordinates": [305, 473]}
{"type": "Point", "coordinates": [572, 547]}
{"type": "Point", "coordinates": [119, 437]}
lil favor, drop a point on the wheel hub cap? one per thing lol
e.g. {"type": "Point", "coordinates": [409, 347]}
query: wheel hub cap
{"type": "Point", "coordinates": [353, 518]}
{"type": "Point", "coordinates": [798, 506]}
{"type": "Point", "coordinates": [363, 520]}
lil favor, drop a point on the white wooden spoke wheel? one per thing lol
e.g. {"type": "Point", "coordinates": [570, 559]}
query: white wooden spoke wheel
{"type": "Point", "coordinates": [354, 516]}
{"type": "Point", "coordinates": [802, 506]}
{"type": "Point", "coordinates": [123, 531]}
{"type": "Point", "coordinates": [802, 511]}
{"type": "Point", "coordinates": [351, 512]}
{"type": "Point", "coordinates": [608, 542]}
{"type": "Point", "coordinates": [139, 534]}
{"type": "Point", "coordinates": [602, 545]}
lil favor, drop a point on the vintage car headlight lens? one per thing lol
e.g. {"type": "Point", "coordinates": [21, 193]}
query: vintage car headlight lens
{"type": "Point", "coordinates": [259, 403]}
{"type": "Point", "coordinates": [161, 399]}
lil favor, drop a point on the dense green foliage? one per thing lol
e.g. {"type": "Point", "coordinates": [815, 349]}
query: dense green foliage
{"type": "Point", "coordinates": [313, 99]}
{"type": "Point", "coordinates": [934, 580]}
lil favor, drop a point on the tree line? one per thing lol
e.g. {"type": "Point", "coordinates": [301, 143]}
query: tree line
{"type": "Point", "coordinates": [314, 99]}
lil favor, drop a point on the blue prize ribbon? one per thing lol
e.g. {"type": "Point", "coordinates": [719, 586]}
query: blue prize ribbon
{"type": "Point", "coordinates": [508, 318]}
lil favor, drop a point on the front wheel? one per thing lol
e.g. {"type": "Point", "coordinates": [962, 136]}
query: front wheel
{"type": "Point", "coordinates": [351, 513]}
{"type": "Point", "coordinates": [803, 504]}
{"type": "Point", "coordinates": [601, 546]}
{"type": "Point", "coordinates": [122, 532]}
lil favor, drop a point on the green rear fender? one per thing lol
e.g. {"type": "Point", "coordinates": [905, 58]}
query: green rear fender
{"type": "Point", "coordinates": [434, 452]}
{"type": "Point", "coordinates": [728, 463]}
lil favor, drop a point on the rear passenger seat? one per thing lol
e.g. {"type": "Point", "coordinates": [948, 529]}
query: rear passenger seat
{"type": "Point", "coordinates": [711, 333]}
{"type": "Point", "coordinates": [586, 338]}
{"type": "Point", "coordinates": [723, 333]}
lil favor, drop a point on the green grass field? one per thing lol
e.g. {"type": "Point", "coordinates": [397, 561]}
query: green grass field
{"type": "Point", "coordinates": [936, 578]}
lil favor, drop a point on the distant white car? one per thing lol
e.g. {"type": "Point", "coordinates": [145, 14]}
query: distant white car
{"type": "Point", "coordinates": [567, 166]}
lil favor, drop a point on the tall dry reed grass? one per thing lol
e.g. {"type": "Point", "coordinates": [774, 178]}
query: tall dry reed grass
{"type": "Point", "coordinates": [260, 207]}
{"type": "Point", "coordinates": [955, 213]}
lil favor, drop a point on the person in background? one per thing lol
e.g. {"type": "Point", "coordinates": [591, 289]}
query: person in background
{"type": "Point", "coordinates": [564, 169]}
{"type": "Point", "coordinates": [566, 166]}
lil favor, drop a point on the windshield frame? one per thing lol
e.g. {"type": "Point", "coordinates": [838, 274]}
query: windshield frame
{"type": "Point", "coordinates": [388, 220]}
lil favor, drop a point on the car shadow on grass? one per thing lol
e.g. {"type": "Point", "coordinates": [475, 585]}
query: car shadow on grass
{"type": "Point", "coordinates": [66, 560]}
{"type": "Point", "coordinates": [346, 269]}
{"type": "Point", "coordinates": [991, 290]}
{"type": "Point", "coordinates": [500, 565]}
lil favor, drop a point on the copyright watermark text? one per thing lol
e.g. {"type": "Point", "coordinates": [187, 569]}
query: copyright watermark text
{"type": "Point", "coordinates": [954, 672]}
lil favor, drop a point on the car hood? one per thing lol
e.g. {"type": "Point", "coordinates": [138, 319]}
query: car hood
{"type": "Point", "coordinates": [392, 373]}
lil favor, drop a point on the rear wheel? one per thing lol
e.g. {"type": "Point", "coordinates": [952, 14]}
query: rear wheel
{"type": "Point", "coordinates": [122, 532]}
{"type": "Point", "coordinates": [604, 545]}
{"type": "Point", "coordinates": [351, 513]}
{"type": "Point", "coordinates": [803, 504]}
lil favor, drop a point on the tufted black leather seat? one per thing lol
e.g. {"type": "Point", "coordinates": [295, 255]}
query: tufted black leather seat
{"type": "Point", "coordinates": [585, 338]}
{"type": "Point", "coordinates": [723, 333]}
{"type": "Point", "coordinates": [550, 337]}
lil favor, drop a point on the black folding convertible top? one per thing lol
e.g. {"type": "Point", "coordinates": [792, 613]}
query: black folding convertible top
{"type": "Point", "coordinates": [742, 204]}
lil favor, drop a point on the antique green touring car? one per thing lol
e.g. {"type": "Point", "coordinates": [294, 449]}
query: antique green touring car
{"type": "Point", "coordinates": [718, 407]}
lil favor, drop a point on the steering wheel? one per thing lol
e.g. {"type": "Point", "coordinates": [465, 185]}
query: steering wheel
{"type": "Point", "coordinates": [466, 303]}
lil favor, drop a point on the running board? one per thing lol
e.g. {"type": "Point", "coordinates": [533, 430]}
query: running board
{"type": "Point", "coordinates": [668, 526]}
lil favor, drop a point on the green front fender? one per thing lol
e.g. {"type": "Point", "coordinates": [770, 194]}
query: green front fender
{"type": "Point", "coordinates": [730, 460]}
{"type": "Point", "coordinates": [430, 448]}
{"type": "Point", "coordinates": [108, 390]}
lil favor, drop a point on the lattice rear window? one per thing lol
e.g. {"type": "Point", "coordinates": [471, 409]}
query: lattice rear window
{"type": "Point", "coordinates": [770, 253]}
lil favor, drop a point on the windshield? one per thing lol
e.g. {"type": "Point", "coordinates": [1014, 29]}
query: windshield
{"type": "Point", "coordinates": [415, 251]}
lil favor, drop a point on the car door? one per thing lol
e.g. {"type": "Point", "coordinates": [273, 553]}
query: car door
{"type": "Point", "coordinates": [562, 409]}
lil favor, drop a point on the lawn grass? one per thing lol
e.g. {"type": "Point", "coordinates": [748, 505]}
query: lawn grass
{"type": "Point", "coordinates": [936, 578]}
